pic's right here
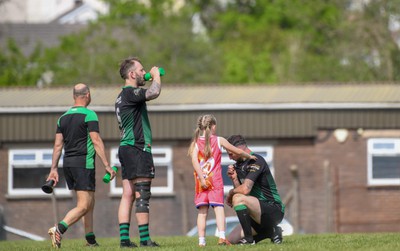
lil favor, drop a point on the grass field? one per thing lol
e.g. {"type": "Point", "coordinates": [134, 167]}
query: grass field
{"type": "Point", "coordinates": [323, 242]}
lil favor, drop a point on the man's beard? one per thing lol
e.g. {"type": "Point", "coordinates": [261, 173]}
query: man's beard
{"type": "Point", "coordinates": [140, 80]}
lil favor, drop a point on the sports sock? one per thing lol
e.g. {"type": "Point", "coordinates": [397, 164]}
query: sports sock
{"type": "Point", "coordinates": [90, 238]}
{"type": "Point", "coordinates": [62, 227]}
{"type": "Point", "coordinates": [202, 240]}
{"type": "Point", "coordinates": [144, 233]}
{"type": "Point", "coordinates": [245, 221]}
{"type": "Point", "coordinates": [222, 234]}
{"type": "Point", "coordinates": [124, 232]}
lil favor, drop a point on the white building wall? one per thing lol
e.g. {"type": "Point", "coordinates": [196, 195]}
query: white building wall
{"type": "Point", "coordinates": [45, 11]}
{"type": "Point", "coordinates": [33, 11]}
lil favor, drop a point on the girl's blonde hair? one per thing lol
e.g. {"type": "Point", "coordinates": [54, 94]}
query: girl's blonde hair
{"type": "Point", "coordinates": [204, 124]}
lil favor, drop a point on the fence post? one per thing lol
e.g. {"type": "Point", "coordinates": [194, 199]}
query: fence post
{"type": "Point", "coordinates": [296, 201]}
{"type": "Point", "coordinates": [328, 197]}
{"type": "Point", "coordinates": [55, 206]}
{"type": "Point", "coordinates": [185, 222]}
{"type": "Point", "coordinates": [2, 223]}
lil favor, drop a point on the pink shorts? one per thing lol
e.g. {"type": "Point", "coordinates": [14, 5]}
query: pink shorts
{"type": "Point", "coordinates": [212, 198]}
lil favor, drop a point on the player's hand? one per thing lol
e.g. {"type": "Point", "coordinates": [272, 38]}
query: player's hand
{"type": "Point", "coordinates": [53, 175]}
{"type": "Point", "coordinates": [203, 184]}
{"type": "Point", "coordinates": [253, 157]}
{"type": "Point", "coordinates": [231, 172]}
{"type": "Point", "coordinates": [111, 172]}
{"type": "Point", "coordinates": [155, 72]}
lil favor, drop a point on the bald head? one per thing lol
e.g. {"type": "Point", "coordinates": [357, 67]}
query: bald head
{"type": "Point", "coordinates": [80, 90]}
{"type": "Point", "coordinates": [81, 94]}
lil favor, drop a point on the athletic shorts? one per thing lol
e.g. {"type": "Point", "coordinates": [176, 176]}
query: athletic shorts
{"type": "Point", "coordinates": [80, 179]}
{"type": "Point", "coordinates": [212, 198]}
{"type": "Point", "coordinates": [135, 163]}
{"type": "Point", "coordinates": [271, 215]}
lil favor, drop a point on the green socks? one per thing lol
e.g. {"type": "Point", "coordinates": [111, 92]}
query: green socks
{"type": "Point", "coordinates": [144, 233]}
{"type": "Point", "coordinates": [90, 238]}
{"type": "Point", "coordinates": [62, 227]}
{"type": "Point", "coordinates": [124, 232]}
{"type": "Point", "coordinates": [245, 221]}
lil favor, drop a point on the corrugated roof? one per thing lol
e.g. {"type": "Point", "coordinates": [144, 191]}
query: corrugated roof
{"type": "Point", "coordinates": [225, 97]}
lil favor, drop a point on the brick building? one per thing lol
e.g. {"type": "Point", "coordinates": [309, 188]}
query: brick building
{"type": "Point", "coordinates": [334, 150]}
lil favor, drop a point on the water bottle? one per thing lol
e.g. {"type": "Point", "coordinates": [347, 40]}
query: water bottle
{"type": "Point", "coordinates": [147, 76]}
{"type": "Point", "coordinates": [107, 176]}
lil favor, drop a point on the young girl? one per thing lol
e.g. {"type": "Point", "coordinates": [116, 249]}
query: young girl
{"type": "Point", "coordinates": [205, 151]}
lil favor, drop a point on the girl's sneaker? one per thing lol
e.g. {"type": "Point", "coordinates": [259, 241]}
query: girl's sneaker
{"type": "Point", "coordinates": [223, 242]}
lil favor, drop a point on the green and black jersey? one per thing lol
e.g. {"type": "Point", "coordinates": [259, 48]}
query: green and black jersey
{"type": "Point", "coordinates": [134, 124]}
{"type": "Point", "coordinates": [258, 171]}
{"type": "Point", "coordinates": [75, 125]}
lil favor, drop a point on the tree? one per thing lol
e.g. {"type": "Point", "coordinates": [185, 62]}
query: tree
{"type": "Point", "coordinates": [281, 41]}
{"type": "Point", "coordinates": [244, 42]}
{"type": "Point", "coordinates": [16, 69]}
{"type": "Point", "coordinates": [155, 34]}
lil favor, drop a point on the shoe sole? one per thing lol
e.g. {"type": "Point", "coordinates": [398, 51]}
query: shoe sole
{"type": "Point", "coordinates": [131, 245]}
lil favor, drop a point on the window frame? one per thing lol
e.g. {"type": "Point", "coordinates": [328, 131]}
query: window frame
{"type": "Point", "coordinates": [371, 152]}
{"type": "Point", "coordinates": [162, 161]}
{"type": "Point", "coordinates": [39, 161]}
{"type": "Point", "coordinates": [269, 153]}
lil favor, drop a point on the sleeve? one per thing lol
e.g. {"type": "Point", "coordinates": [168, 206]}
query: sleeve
{"type": "Point", "coordinates": [92, 121]}
{"type": "Point", "coordinates": [254, 170]}
{"type": "Point", "coordinates": [58, 130]}
{"type": "Point", "coordinates": [93, 126]}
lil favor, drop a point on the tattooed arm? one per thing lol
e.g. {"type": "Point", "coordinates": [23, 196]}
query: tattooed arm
{"type": "Point", "coordinates": [155, 87]}
{"type": "Point", "coordinates": [244, 188]}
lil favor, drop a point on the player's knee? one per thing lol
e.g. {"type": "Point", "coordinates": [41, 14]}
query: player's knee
{"type": "Point", "coordinates": [144, 194]}
{"type": "Point", "coordinates": [238, 199]}
{"type": "Point", "coordinates": [128, 196]}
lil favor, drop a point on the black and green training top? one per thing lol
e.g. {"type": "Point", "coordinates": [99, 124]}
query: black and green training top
{"type": "Point", "coordinates": [133, 120]}
{"type": "Point", "coordinates": [75, 125]}
{"type": "Point", "coordinates": [258, 171]}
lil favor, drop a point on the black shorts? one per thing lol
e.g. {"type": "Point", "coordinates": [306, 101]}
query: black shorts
{"type": "Point", "coordinates": [79, 178]}
{"type": "Point", "coordinates": [135, 163]}
{"type": "Point", "coordinates": [271, 215]}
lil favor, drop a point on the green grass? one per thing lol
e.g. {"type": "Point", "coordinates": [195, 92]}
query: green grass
{"type": "Point", "coordinates": [325, 242]}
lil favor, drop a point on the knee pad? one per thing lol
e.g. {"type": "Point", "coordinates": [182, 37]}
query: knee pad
{"type": "Point", "coordinates": [142, 202]}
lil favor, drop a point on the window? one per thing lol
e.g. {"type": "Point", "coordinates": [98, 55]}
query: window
{"type": "Point", "coordinates": [265, 151]}
{"type": "Point", "coordinates": [384, 162]}
{"type": "Point", "coordinates": [28, 170]}
{"type": "Point", "coordinates": [162, 184]}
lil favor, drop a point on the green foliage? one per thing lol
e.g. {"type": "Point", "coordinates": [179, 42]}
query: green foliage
{"type": "Point", "coordinates": [93, 56]}
{"type": "Point", "coordinates": [274, 39]}
{"type": "Point", "coordinates": [17, 69]}
{"type": "Point", "coordinates": [245, 42]}
{"type": "Point", "coordinates": [302, 41]}
{"type": "Point", "coordinates": [326, 242]}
